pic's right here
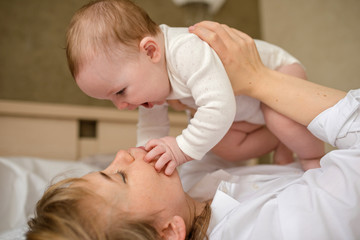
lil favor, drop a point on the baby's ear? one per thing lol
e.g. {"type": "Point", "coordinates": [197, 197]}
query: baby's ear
{"type": "Point", "coordinates": [174, 229]}
{"type": "Point", "coordinates": [151, 48]}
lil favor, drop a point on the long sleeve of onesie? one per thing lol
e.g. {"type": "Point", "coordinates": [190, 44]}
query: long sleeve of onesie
{"type": "Point", "coordinates": [199, 80]}
{"type": "Point", "coordinates": [196, 74]}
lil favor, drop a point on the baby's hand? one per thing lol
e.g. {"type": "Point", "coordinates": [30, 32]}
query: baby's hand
{"type": "Point", "coordinates": [166, 151]}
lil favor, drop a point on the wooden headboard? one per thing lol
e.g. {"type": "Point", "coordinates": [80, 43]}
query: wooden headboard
{"type": "Point", "coordinates": [68, 132]}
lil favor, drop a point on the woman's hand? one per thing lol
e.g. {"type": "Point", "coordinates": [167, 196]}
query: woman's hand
{"type": "Point", "coordinates": [297, 99]}
{"type": "Point", "coordinates": [237, 51]}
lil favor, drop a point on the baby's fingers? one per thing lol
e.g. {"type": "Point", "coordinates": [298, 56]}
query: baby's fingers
{"type": "Point", "coordinates": [154, 152]}
{"type": "Point", "coordinates": [170, 168]}
{"type": "Point", "coordinates": [162, 161]}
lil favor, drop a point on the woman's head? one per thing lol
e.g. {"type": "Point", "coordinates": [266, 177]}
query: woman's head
{"type": "Point", "coordinates": [134, 187]}
{"type": "Point", "coordinates": [102, 25]}
{"type": "Point", "coordinates": [77, 213]}
{"type": "Point", "coordinates": [124, 201]}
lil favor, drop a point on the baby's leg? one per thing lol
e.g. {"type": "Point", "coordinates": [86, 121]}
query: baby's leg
{"type": "Point", "coordinates": [244, 141]}
{"type": "Point", "coordinates": [296, 137]}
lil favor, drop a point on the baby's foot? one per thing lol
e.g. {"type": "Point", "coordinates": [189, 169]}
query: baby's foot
{"type": "Point", "coordinates": [283, 155]}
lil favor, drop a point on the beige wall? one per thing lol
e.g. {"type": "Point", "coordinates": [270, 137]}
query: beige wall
{"type": "Point", "coordinates": [32, 57]}
{"type": "Point", "coordinates": [323, 34]}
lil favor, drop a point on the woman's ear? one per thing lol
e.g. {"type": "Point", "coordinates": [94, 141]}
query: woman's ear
{"type": "Point", "coordinates": [174, 229]}
{"type": "Point", "coordinates": [151, 48]}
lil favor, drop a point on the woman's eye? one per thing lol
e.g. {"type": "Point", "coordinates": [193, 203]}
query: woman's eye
{"type": "Point", "coordinates": [121, 92]}
{"type": "Point", "coordinates": [123, 175]}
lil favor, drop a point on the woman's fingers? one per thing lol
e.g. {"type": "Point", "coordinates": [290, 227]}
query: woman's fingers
{"type": "Point", "coordinates": [217, 28]}
{"type": "Point", "coordinates": [223, 39]}
{"type": "Point", "coordinates": [239, 34]}
{"type": "Point", "coordinates": [237, 51]}
{"type": "Point", "coordinates": [212, 32]}
{"type": "Point", "coordinates": [209, 36]}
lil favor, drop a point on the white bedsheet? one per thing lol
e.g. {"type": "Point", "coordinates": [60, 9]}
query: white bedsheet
{"type": "Point", "coordinates": [24, 179]}
{"type": "Point", "coordinates": [22, 183]}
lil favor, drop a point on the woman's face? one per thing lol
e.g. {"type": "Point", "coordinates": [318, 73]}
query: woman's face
{"type": "Point", "coordinates": [136, 188]}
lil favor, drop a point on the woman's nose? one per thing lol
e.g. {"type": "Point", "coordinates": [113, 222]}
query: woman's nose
{"type": "Point", "coordinates": [122, 159]}
{"type": "Point", "coordinates": [123, 156]}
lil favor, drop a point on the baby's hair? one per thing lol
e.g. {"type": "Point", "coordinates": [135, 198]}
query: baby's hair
{"type": "Point", "coordinates": [68, 210]}
{"type": "Point", "coordinates": [101, 26]}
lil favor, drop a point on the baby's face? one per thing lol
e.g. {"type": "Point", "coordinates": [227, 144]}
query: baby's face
{"type": "Point", "coordinates": [127, 82]}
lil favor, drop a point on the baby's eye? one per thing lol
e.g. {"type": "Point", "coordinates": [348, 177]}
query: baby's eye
{"type": "Point", "coordinates": [123, 175]}
{"type": "Point", "coordinates": [121, 92]}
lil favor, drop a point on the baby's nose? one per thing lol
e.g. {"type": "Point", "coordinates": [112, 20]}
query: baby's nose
{"type": "Point", "coordinates": [121, 105]}
{"type": "Point", "coordinates": [131, 107]}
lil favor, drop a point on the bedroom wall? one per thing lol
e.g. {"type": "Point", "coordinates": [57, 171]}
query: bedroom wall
{"type": "Point", "coordinates": [323, 34]}
{"type": "Point", "coordinates": [32, 57]}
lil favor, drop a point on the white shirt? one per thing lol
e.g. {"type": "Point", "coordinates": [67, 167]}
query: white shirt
{"type": "Point", "coordinates": [282, 202]}
{"type": "Point", "coordinates": [199, 80]}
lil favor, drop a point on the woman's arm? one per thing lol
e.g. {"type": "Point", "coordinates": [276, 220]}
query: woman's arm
{"type": "Point", "coordinates": [296, 98]}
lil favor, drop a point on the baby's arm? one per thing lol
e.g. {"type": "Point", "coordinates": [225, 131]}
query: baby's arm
{"type": "Point", "coordinates": [197, 74]}
{"type": "Point", "coordinates": [152, 123]}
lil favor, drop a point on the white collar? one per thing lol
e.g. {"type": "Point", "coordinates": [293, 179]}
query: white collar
{"type": "Point", "coordinates": [221, 205]}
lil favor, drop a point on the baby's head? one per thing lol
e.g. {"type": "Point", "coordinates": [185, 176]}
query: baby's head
{"type": "Point", "coordinates": [127, 200]}
{"type": "Point", "coordinates": [116, 52]}
{"type": "Point", "coordinates": [100, 27]}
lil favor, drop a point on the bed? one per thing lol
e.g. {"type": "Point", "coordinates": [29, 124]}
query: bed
{"type": "Point", "coordinates": [41, 142]}
{"type": "Point", "coordinates": [22, 183]}
{"type": "Point", "coordinates": [24, 179]}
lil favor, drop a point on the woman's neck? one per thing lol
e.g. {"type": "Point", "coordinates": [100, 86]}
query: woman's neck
{"type": "Point", "coordinates": [199, 218]}
{"type": "Point", "coordinates": [196, 208]}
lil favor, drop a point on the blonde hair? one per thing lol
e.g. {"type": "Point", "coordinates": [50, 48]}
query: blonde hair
{"type": "Point", "coordinates": [69, 211]}
{"type": "Point", "coordinates": [100, 26]}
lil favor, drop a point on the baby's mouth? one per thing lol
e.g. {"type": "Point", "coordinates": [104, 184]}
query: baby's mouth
{"type": "Point", "coordinates": [147, 105]}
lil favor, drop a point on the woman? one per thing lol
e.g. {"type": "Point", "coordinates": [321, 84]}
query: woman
{"type": "Point", "coordinates": [130, 200]}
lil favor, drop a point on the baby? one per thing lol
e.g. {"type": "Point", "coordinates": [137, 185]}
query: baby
{"type": "Point", "coordinates": [116, 52]}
